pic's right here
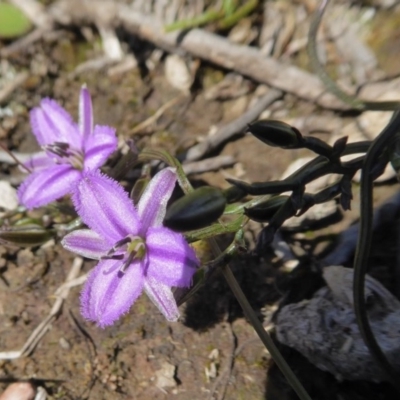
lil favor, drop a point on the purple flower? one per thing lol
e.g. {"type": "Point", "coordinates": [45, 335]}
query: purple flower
{"type": "Point", "coordinates": [69, 150]}
{"type": "Point", "coordinates": [135, 250]}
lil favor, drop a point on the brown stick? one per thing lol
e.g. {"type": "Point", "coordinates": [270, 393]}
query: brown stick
{"type": "Point", "coordinates": [9, 87]}
{"type": "Point", "coordinates": [210, 164]}
{"type": "Point", "coordinates": [246, 60]}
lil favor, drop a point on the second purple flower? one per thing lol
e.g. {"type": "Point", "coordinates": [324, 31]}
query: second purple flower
{"type": "Point", "coordinates": [69, 150]}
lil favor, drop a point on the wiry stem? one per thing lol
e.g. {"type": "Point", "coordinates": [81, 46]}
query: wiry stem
{"type": "Point", "coordinates": [258, 327]}
{"type": "Point", "coordinates": [10, 153]}
{"type": "Point", "coordinates": [363, 248]}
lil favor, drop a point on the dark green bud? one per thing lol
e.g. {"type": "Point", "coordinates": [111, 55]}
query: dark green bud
{"type": "Point", "coordinates": [26, 235]}
{"type": "Point", "coordinates": [233, 194]}
{"type": "Point", "coordinates": [263, 212]}
{"type": "Point", "coordinates": [195, 210]}
{"type": "Point", "coordinates": [340, 146]}
{"type": "Point", "coordinates": [264, 239]}
{"type": "Point", "coordinates": [277, 134]}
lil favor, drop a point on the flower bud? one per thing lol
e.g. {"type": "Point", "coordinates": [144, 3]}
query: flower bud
{"type": "Point", "coordinates": [195, 210]}
{"type": "Point", "coordinates": [265, 211]}
{"type": "Point", "coordinates": [26, 235]}
{"type": "Point", "coordinates": [233, 194]}
{"type": "Point", "coordinates": [277, 134]}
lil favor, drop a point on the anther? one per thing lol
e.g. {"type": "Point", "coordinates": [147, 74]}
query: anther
{"type": "Point", "coordinates": [112, 257]}
{"type": "Point", "coordinates": [119, 244]}
{"type": "Point", "coordinates": [127, 262]}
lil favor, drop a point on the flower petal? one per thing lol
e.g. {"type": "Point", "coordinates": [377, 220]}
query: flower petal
{"type": "Point", "coordinates": [51, 123]}
{"type": "Point", "coordinates": [105, 207]}
{"type": "Point", "coordinates": [38, 161]}
{"type": "Point", "coordinates": [99, 146]}
{"type": "Point", "coordinates": [170, 259]}
{"type": "Point", "coordinates": [46, 185]}
{"type": "Point", "coordinates": [86, 243]}
{"type": "Point", "coordinates": [109, 293]}
{"type": "Point", "coordinates": [161, 295]}
{"type": "Point", "coordinates": [153, 203]}
{"type": "Point", "coordinates": [85, 113]}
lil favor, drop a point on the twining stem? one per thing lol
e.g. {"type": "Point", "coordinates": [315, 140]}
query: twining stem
{"type": "Point", "coordinates": [364, 245]}
{"type": "Point", "coordinates": [258, 327]}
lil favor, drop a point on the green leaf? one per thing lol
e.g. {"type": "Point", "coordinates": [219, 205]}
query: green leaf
{"type": "Point", "coordinates": [13, 23]}
{"type": "Point", "coordinates": [26, 235]}
{"type": "Point", "coordinates": [150, 154]}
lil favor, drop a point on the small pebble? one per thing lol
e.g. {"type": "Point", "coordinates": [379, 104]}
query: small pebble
{"type": "Point", "coordinates": [64, 344]}
{"type": "Point", "coordinates": [19, 391]}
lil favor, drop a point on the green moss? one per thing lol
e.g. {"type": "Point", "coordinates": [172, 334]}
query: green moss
{"type": "Point", "coordinates": [13, 23]}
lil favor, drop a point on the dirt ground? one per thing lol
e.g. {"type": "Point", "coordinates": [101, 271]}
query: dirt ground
{"type": "Point", "coordinates": [212, 352]}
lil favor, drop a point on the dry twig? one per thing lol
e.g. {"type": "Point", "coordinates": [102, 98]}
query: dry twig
{"type": "Point", "coordinates": [210, 164]}
{"type": "Point", "coordinates": [9, 88]}
{"type": "Point", "coordinates": [146, 123]}
{"type": "Point", "coordinates": [243, 59]}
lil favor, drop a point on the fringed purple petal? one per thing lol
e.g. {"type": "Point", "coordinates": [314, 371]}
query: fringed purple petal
{"type": "Point", "coordinates": [105, 207]}
{"type": "Point", "coordinates": [86, 243]}
{"type": "Point", "coordinates": [38, 161]}
{"type": "Point", "coordinates": [99, 146]}
{"type": "Point", "coordinates": [46, 185]}
{"type": "Point", "coordinates": [109, 293]}
{"type": "Point", "coordinates": [51, 123]}
{"type": "Point", "coordinates": [161, 295]}
{"type": "Point", "coordinates": [153, 203]}
{"type": "Point", "coordinates": [170, 259]}
{"type": "Point", "coordinates": [85, 113]}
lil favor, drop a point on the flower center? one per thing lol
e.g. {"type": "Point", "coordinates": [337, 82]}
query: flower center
{"type": "Point", "coordinates": [65, 154]}
{"type": "Point", "coordinates": [133, 248]}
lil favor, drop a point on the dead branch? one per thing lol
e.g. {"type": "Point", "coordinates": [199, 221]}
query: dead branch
{"type": "Point", "coordinates": [243, 59]}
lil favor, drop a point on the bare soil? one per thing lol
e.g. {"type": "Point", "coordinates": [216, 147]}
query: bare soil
{"type": "Point", "coordinates": [212, 351]}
